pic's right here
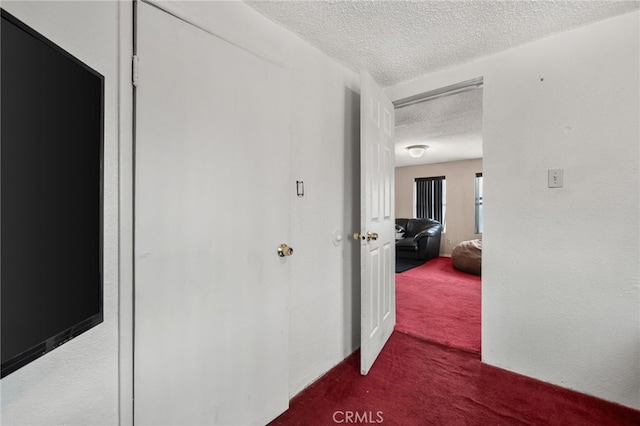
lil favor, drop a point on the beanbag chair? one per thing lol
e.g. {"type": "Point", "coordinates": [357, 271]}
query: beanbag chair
{"type": "Point", "coordinates": [467, 256]}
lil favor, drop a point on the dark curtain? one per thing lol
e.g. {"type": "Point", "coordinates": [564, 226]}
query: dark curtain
{"type": "Point", "coordinates": [429, 198]}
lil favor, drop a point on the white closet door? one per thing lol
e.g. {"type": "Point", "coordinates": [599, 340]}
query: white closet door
{"type": "Point", "coordinates": [212, 191]}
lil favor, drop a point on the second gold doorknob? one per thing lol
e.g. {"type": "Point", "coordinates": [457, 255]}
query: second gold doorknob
{"type": "Point", "coordinates": [284, 250]}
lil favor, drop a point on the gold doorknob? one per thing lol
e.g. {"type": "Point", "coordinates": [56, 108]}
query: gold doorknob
{"type": "Point", "coordinates": [284, 250]}
{"type": "Point", "coordinates": [370, 236]}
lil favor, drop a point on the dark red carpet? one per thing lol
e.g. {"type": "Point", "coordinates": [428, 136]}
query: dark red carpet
{"type": "Point", "coordinates": [429, 372]}
{"type": "Point", "coordinates": [415, 382]}
{"type": "Point", "coordinates": [436, 302]}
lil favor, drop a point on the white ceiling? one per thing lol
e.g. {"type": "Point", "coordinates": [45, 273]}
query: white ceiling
{"type": "Point", "coordinates": [397, 41]}
{"type": "Point", "coordinates": [451, 126]}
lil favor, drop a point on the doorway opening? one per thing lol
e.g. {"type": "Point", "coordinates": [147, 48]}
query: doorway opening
{"type": "Point", "coordinates": [437, 298]}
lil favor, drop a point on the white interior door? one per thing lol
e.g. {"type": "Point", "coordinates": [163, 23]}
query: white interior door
{"type": "Point", "coordinates": [212, 191]}
{"type": "Point", "coordinates": [378, 305]}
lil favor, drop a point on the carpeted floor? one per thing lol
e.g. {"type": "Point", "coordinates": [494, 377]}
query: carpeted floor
{"type": "Point", "coordinates": [415, 382]}
{"type": "Point", "coordinates": [430, 373]}
{"type": "Point", "coordinates": [436, 302]}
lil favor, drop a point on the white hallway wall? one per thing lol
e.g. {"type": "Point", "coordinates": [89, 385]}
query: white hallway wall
{"type": "Point", "coordinates": [77, 383]}
{"type": "Point", "coordinates": [560, 298]}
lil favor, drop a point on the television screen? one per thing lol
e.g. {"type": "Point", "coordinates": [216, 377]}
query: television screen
{"type": "Point", "coordinates": [51, 180]}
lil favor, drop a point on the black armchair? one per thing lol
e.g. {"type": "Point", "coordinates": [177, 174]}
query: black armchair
{"type": "Point", "coordinates": [421, 239]}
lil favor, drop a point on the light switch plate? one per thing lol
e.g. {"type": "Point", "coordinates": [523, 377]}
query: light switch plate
{"type": "Point", "coordinates": [556, 177]}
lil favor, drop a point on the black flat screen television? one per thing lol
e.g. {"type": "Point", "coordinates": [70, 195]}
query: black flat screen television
{"type": "Point", "coordinates": [51, 178]}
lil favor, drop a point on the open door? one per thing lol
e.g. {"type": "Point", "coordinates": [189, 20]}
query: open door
{"type": "Point", "coordinates": [212, 193]}
{"type": "Point", "coordinates": [377, 221]}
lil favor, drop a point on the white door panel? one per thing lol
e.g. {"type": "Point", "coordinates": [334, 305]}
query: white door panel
{"type": "Point", "coordinates": [211, 207]}
{"type": "Point", "coordinates": [377, 221]}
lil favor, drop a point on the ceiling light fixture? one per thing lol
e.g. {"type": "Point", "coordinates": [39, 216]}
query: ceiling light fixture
{"type": "Point", "coordinates": [417, 150]}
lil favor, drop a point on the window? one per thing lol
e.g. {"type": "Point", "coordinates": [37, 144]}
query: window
{"type": "Point", "coordinates": [430, 196]}
{"type": "Point", "coordinates": [478, 203]}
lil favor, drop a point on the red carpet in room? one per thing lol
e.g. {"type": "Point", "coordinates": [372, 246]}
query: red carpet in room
{"type": "Point", "coordinates": [415, 382]}
{"type": "Point", "coordinates": [438, 303]}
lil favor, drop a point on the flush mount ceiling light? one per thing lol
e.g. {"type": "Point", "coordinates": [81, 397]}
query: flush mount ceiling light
{"type": "Point", "coordinates": [417, 150]}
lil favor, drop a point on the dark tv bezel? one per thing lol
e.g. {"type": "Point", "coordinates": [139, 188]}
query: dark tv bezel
{"type": "Point", "coordinates": [64, 336]}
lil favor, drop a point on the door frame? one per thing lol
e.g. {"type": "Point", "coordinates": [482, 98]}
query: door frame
{"type": "Point", "coordinates": [126, 209]}
{"type": "Point", "coordinates": [439, 92]}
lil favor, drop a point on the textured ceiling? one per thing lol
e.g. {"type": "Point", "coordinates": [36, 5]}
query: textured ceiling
{"type": "Point", "coordinates": [451, 126]}
{"type": "Point", "coordinates": [397, 41]}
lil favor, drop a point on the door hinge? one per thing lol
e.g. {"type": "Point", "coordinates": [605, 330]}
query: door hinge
{"type": "Point", "coordinates": [134, 73]}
